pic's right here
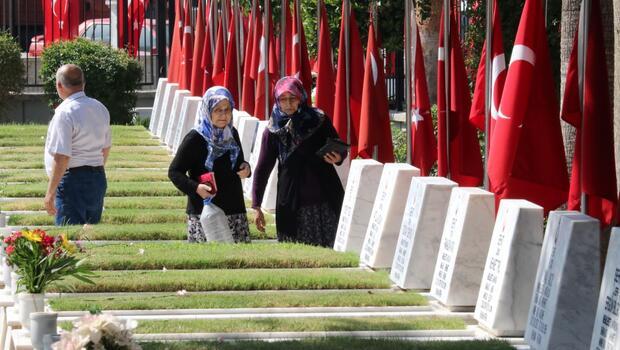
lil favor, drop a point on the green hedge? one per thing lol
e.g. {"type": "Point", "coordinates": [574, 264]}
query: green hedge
{"type": "Point", "coordinates": [112, 76]}
{"type": "Point", "coordinates": [12, 68]}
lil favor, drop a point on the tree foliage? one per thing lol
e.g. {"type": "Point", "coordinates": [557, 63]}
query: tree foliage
{"type": "Point", "coordinates": [12, 68]}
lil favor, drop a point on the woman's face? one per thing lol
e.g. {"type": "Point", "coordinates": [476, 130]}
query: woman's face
{"type": "Point", "coordinates": [289, 103]}
{"type": "Point", "coordinates": [221, 114]}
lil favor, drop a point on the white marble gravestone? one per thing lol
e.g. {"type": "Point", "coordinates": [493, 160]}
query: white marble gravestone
{"type": "Point", "coordinates": [157, 103]}
{"type": "Point", "coordinates": [166, 108]}
{"type": "Point", "coordinates": [386, 215]}
{"type": "Point", "coordinates": [247, 134]}
{"type": "Point", "coordinates": [464, 245]}
{"type": "Point", "coordinates": [253, 156]}
{"type": "Point", "coordinates": [420, 232]}
{"type": "Point", "coordinates": [563, 305]}
{"type": "Point", "coordinates": [189, 109]}
{"type": "Point", "coordinates": [606, 326]}
{"type": "Point", "coordinates": [343, 170]}
{"type": "Point", "coordinates": [175, 117]}
{"type": "Point", "coordinates": [269, 198]}
{"type": "Point", "coordinates": [508, 278]}
{"type": "Point", "coordinates": [238, 116]}
{"type": "Point", "coordinates": [359, 197]}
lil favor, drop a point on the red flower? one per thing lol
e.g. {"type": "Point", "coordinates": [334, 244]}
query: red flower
{"type": "Point", "coordinates": [9, 250]}
{"type": "Point", "coordinates": [47, 241]}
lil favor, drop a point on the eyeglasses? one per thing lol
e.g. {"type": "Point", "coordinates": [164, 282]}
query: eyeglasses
{"type": "Point", "coordinates": [288, 100]}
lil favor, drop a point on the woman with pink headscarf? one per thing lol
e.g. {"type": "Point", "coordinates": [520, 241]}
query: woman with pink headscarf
{"type": "Point", "coordinates": [309, 191]}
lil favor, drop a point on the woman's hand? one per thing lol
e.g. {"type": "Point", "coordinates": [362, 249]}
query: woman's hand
{"type": "Point", "coordinates": [332, 157]}
{"type": "Point", "coordinates": [244, 170]}
{"type": "Point", "coordinates": [204, 191]}
{"type": "Point", "coordinates": [259, 219]}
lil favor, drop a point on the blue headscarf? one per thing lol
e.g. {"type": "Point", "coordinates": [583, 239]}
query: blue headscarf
{"type": "Point", "coordinates": [219, 141]}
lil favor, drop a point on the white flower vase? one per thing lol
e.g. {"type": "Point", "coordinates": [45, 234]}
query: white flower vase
{"type": "Point", "coordinates": [29, 303]}
{"type": "Point", "coordinates": [6, 275]}
{"type": "Point", "coordinates": [42, 324]}
{"type": "Point", "coordinates": [14, 278]}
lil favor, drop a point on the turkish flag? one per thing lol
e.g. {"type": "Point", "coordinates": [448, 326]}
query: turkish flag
{"type": "Point", "coordinates": [248, 96]}
{"type": "Point", "coordinates": [199, 41]}
{"type": "Point", "coordinates": [594, 157]}
{"type": "Point", "coordinates": [325, 80]}
{"type": "Point", "coordinates": [232, 71]}
{"type": "Point", "coordinates": [135, 20]}
{"type": "Point", "coordinates": [375, 113]}
{"type": "Point", "coordinates": [464, 162]}
{"type": "Point", "coordinates": [423, 142]}
{"type": "Point", "coordinates": [356, 82]}
{"type": "Point", "coordinates": [288, 41]}
{"type": "Point", "coordinates": [61, 20]}
{"type": "Point", "coordinates": [219, 60]}
{"type": "Point", "coordinates": [188, 49]}
{"type": "Point", "coordinates": [526, 159]}
{"type": "Point", "coordinates": [498, 74]}
{"type": "Point", "coordinates": [300, 67]}
{"type": "Point", "coordinates": [175, 49]}
{"type": "Point", "coordinates": [207, 56]}
{"type": "Point", "coordinates": [267, 47]}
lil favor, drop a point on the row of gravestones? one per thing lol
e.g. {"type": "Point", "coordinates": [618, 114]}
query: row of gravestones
{"type": "Point", "coordinates": [446, 238]}
{"type": "Point", "coordinates": [175, 112]}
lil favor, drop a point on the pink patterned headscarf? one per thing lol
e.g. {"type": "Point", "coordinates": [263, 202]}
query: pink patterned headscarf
{"type": "Point", "coordinates": [291, 85]}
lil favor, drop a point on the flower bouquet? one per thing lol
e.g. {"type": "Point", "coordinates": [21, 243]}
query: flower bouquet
{"type": "Point", "coordinates": [41, 259]}
{"type": "Point", "coordinates": [100, 331]}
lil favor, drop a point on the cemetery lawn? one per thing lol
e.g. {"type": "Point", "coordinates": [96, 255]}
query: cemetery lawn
{"type": "Point", "coordinates": [115, 189]}
{"type": "Point", "coordinates": [109, 216]}
{"type": "Point", "coordinates": [135, 156]}
{"type": "Point", "coordinates": [138, 232]}
{"type": "Point", "coordinates": [36, 162]}
{"type": "Point", "coordinates": [227, 279]}
{"type": "Point", "coordinates": [182, 255]}
{"type": "Point", "coordinates": [36, 204]}
{"type": "Point", "coordinates": [335, 343]}
{"type": "Point", "coordinates": [118, 150]}
{"type": "Point", "coordinates": [112, 175]}
{"type": "Point", "coordinates": [231, 300]}
{"type": "Point", "coordinates": [309, 324]}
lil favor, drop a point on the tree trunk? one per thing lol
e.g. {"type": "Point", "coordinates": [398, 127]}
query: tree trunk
{"type": "Point", "coordinates": [429, 35]}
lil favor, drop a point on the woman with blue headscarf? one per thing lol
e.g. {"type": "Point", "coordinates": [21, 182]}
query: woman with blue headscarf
{"type": "Point", "coordinates": [213, 146]}
{"type": "Point", "coordinates": [309, 191]}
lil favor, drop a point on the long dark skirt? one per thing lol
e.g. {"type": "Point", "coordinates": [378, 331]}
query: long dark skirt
{"type": "Point", "coordinates": [238, 224]}
{"type": "Point", "coordinates": [316, 225]}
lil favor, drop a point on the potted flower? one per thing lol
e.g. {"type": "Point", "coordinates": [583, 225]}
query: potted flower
{"type": "Point", "coordinates": [99, 331]}
{"type": "Point", "coordinates": [41, 260]}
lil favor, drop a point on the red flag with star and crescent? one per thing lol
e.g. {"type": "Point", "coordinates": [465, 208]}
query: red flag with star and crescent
{"type": "Point", "coordinates": [61, 20]}
{"type": "Point", "coordinates": [526, 158]}
{"type": "Point", "coordinates": [175, 49]}
{"type": "Point", "coordinates": [325, 80]}
{"type": "Point", "coordinates": [188, 49]}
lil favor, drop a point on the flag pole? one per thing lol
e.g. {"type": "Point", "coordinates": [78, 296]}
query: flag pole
{"type": "Point", "coordinates": [283, 43]}
{"type": "Point", "coordinates": [298, 25]}
{"type": "Point", "coordinates": [318, 20]}
{"type": "Point", "coordinates": [224, 11]}
{"type": "Point", "coordinates": [213, 24]}
{"type": "Point", "coordinates": [408, 77]}
{"type": "Point", "coordinates": [488, 88]}
{"type": "Point", "coordinates": [446, 55]}
{"type": "Point", "coordinates": [238, 31]}
{"type": "Point", "coordinates": [347, 9]}
{"type": "Point", "coordinates": [582, 57]}
{"type": "Point", "coordinates": [373, 19]}
{"type": "Point", "coordinates": [267, 13]}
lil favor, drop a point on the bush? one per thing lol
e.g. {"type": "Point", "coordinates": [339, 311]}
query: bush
{"type": "Point", "coordinates": [112, 76]}
{"type": "Point", "coordinates": [12, 68]}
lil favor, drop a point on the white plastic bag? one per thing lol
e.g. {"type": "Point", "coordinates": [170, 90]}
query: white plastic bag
{"type": "Point", "coordinates": [215, 224]}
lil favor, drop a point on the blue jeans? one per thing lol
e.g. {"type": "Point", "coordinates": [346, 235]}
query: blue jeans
{"type": "Point", "coordinates": [79, 197]}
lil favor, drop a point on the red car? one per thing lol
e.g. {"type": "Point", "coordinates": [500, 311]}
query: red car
{"type": "Point", "coordinates": [98, 29]}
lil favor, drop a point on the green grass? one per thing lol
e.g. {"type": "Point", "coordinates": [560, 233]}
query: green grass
{"type": "Point", "coordinates": [109, 203]}
{"type": "Point", "coordinates": [241, 279]}
{"type": "Point", "coordinates": [327, 324]}
{"type": "Point", "coordinates": [112, 175]}
{"type": "Point", "coordinates": [355, 298]}
{"type": "Point", "coordinates": [335, 343]}
{"type": "Point", "coordinates": [109, 216]}
{"type": "Point", "coordinates": [34, 135]}
{"type": "Point", "coordinates": [37, 163]}
{"type": "Point", "coordinates": [114, 158]}
{"type": "Point", "coordinates": [138, 232]}
{"type": "Point", "coordinates": [36, 150]}
{"type": "Point", "coordinates": [115, 189]}
{"type": "Point", "coordinates": [121, 256]}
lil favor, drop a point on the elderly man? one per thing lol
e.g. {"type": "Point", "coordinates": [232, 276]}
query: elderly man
{"type": "Point", "coordinates": [76, 149]}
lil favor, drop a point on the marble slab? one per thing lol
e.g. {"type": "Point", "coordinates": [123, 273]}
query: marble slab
{"type": "Point", "coordinates": [247, 134]}
{"type": "Point", "coordinates": [563, 305]}
{"type": "Point", "coordinates": [190, 107]}
{"type": "Point", "coordinates": [420, 232]}
{"type": "Point", "coordinates": [175, 117]}
{"type": "Point", "coordinates": [343, 170]}
{"type": "Point", "coordinates": [157, 103]}
{"type": "Point", "coordinates": [166, 108]}
{"type": "Point", "coordinates": [386, 215]}
{"type": "Point", "coordinates": [269, 198]}
{"type": "Point", "coordinates": [238, 115]}
{"type": "Point", "coordinates": [359, 197]}
{"type": "Point", "coordinates": [605, 335]}
{"type": "Point", "coordinates": [464, 245]}
{"type": "Point", "coordinates": [510, 269]}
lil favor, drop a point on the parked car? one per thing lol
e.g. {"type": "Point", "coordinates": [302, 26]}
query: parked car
{"type": "Point", "coordinates": [98, 29]}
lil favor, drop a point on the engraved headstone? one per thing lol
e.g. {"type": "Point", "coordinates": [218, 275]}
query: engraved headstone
{"type": "Point", "coordinates": [188, 114]}
{"type": "Point", "coordinates": [157, 103]}
{"type": "Point", "coordinates": [238, 116]}
{"type": "Point", "coordinates": [247, 134]}
{"type": "Point", "coordinates": [269, 198]}
{"type": "Point", "coordinates": [420, 232]}
{"type": "Point", "coordinates": [563, 305]}
{"type": "Point", "coordinates": [357, 204]}
{"type": "Point", "coordinates": [464, 245]}
{"type": "Point", "coordinates": [166, 108]}
{"type": "Point", "coordinates": [606, 326]}
{"type": "Point", "coordinates": [175, 116]}
{"type": "Point", "coordinates": [508, 278]}
{"type": "Point", "coordinates": [387, 214]}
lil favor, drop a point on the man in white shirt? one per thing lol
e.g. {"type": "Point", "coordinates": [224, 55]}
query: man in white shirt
{"type": "Point", "coordinates": [76, 149]}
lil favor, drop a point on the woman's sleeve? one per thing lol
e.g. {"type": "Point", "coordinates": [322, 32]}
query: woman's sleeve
{"type": "Point", "coordinates": [180, 165]}
{"type": "Point", "coordinates": [264, 166]}
{"type": "Point", "coordinates": [241, 157]}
